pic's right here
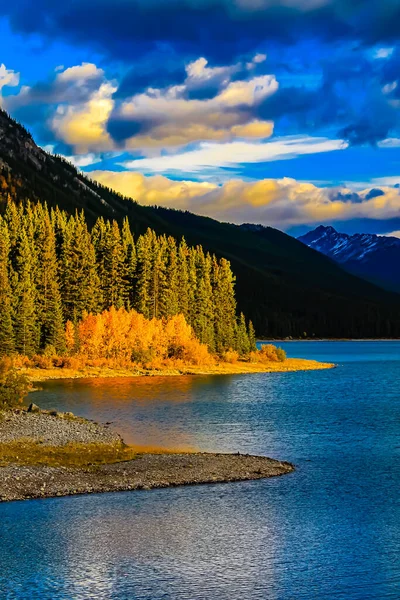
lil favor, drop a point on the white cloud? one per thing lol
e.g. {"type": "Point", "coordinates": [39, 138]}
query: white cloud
{"type": "Point", "coordinates": [217, 156]}
{"type": "Point", "coordinates": [383, 52]}
{"type": "Point", "coordinates": [389, 143]}
{"type": "Point", "coordinates": [168, 119]}
{"type": "Point", "coordinates": [80, 74]}
{"type": "Point", "coordinates": [8, 77]}
{"type": "Point", "coordinates": [389, 181]}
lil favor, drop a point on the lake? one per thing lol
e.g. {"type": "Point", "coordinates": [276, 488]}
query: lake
{"type": "Point", "coordinates": [329, 530]}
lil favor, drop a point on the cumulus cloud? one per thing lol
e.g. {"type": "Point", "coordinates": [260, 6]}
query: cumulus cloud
{"type": "Point", "coordinates": [81, 108]}
{"type": "Point", "coordinates": [208, 105]}
{"type": "Point", "coordinates": [68, 86]}
{"type": "Point", "coordinates": [74, 105]}
{"type": "Point", "coordinates": [8, 77]}
{"type": "Point", "coordinates": [277, 202]}
{"type": "Point", "coordinates": [83, 126]}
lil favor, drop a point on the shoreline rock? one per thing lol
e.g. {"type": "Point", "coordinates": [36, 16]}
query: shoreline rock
{"type": "Point", "coordinates": [145, 472]}
{"type": "Point", "coordinates": [53, 428]}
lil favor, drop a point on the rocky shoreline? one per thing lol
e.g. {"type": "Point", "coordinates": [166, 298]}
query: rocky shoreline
{"type": "Point", "coordinates": [143, 472]}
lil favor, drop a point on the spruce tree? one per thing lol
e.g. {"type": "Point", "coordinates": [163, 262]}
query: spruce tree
{"type": "Point", "coordinates": [183, 280]}
{"type": "Point", "coordinates": [49, 309]}
{"type": "Point", "coordinates": [191, 286]}
{"type": "Point", "coordinates": [6, 325]}
{"type": "Point", "coordinates": [79, 281]}
{"type": "Point", "coordinates": [130, 263]}
{"type": "Point", "coordinates": [144, 250]}
{"type": "Point", "coordinates": [252, 337]}
{"type": "Point", "coordinates": [242, 337]}
{"type": "Point", "coordinates": [158, 279]}
{"type": "Point", "coordinates": [110, 262]}
{"type": "Point", "coordinates": [172, 290]}
{"type": "Point", "coordinates": [204, 316]}
{"type": "Point", "coordinates": [25, 317]}
{"type": "Point", "coordinates": [225, 305]}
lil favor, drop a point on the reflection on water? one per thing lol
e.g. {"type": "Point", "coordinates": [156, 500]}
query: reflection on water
{"type": "Point", "coordinates": [329, 530]}
{"type": "Point", "coordinates": [149, 412]}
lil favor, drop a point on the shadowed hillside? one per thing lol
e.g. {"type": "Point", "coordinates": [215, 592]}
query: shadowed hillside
{"type": "Point", "coordinates": [286, 288]}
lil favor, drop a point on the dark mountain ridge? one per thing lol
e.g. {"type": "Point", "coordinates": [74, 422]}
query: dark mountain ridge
{"type": "Point", "coordinates": [286, 288]}
{"type": "Point", "coordinates": [373, 257]}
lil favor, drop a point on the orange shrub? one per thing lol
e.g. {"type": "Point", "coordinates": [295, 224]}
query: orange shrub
{"type": "Point", "coordinates": [126, 336]}
{"type": "Point", "coordinates": [72, 362]}
{"type": "Point", "coordinates": [268, 353]}
{"type": "Point", "coordinates": [41, 361]}
{"type": "Point", "coordinates": [231, 356]}
{"type": "Point", "coordinates": [20, 361]}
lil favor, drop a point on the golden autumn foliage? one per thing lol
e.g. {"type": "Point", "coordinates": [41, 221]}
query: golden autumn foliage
{"type": "Point", "coordinates": [268, 353]}
{"type": "Point", "coordinates": [128, 337]}
{"type": "Point", "coordinates": [231, 356]}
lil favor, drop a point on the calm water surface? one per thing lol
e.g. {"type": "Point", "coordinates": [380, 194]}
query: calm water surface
{"type": "Point", "coordinates": [329, 530]}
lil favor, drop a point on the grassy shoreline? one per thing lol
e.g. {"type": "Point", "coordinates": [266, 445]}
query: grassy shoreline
{"type": "Point", "coordinates": [38, 375]}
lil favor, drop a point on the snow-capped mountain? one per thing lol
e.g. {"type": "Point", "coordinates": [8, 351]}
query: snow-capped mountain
{"type": "Point", "coordinates": [373, 257]}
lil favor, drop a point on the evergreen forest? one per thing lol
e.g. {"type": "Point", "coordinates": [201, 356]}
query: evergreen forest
{"type": "Point", "coordinates": [56, 274]}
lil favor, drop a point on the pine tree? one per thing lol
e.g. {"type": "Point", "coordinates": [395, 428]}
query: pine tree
{"type": "Point", "coordinates": [225, 305]}
{"type": "Point", "coordinates": [183, 280]}
{"type": "Point", "coordinates": [25, 317]}
{"type": "Point", "coordinates": [191, 286]}
{"type": "Point", "coordinates": [252, 337]}
{"type": "Point", "coordinates": [204, 317]}
{"type": "Point", "coordinates": [111, 265]}
{"type": "Point", "coordinates": [80, 284]}
{"type": "Point", "coordinates": [171, 289]}
{"type": "Point", "coordinates": [6, 325]}
{"type": "Point", "coordinates": [158, 279]}
{"type": "Point", "coordinates": [242, 338]}
{"type": "Point", "coordinates": [130, 263]}
{"type": "Point", "coordinates": [49, 309]}
{"type": "Point", "coordinates": [144, 250]}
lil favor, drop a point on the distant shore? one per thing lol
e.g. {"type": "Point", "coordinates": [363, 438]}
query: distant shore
{"type": "Point", "coordinates": [316, 339]}
{"type": "Point", "coordinates": [38, 375]}
{"type": "Point", "coordinates": [46, 454]}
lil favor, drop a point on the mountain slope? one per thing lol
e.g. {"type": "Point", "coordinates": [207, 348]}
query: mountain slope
{"type": "Point", "coordinates": [283, 286]}
{"type": "Point", "coordinates": [373, 257]}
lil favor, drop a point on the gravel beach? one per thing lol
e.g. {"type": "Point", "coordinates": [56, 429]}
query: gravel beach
{"type": "Point", "coordinates": [53, 429]}
{"type": "Point", "coordinates": [145, 471]}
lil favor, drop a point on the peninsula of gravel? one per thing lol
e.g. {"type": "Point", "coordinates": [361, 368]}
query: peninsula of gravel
{"type": "Point", "coordinates": [47, 453]}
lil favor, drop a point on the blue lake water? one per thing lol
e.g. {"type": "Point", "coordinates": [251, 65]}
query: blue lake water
{"type": "Point", "coordinates": [329, 530]}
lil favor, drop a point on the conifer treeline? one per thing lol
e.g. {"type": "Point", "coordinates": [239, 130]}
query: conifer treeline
{"type": "Point", "coordinates": [54, 270]}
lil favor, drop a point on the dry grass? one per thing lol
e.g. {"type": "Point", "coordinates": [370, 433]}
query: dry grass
{"type": "Point", "coordinates": [32, 453]}
{"type": "Point", "coordinates": [222, 368]}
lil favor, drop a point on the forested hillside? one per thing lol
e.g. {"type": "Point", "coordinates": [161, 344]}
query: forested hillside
{"type": "Point", "coordinates": [285, 288]}
{"type": "Point", "coordinates": [54, 270]}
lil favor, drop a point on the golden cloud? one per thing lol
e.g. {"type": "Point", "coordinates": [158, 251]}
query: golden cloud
{"type": "Point", "coordinates": [277, 202]}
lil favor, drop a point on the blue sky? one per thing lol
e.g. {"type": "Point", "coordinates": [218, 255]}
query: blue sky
{"type": "Point", "coordinates": [281, 113]}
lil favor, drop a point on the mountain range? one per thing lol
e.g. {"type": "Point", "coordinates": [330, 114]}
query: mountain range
{"type": "Point", "coordinates": [373, 257]}
{"type": "Point", "coordinates": [285, 287]}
